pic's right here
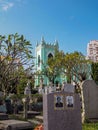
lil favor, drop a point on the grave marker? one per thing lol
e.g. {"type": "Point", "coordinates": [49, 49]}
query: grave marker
{"type": "Point", "coordinates": [90, 93]}
{"type": "Point", "coordinates": [61, 111]}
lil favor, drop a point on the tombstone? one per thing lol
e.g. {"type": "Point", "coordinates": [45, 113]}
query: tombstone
{"type": "Point", "coordinates": [50, 89]}
{"type": "Point", "coordinates": [8, 105]}
{"type": "Point", "coordinates": [54, 88]}
{"type": "Point", "coordinates": [62, 111]}
{"type": "Point", "coordinates": [1, 93]}
{"type": "Point", "coordinates": [3, 108]}
{"type": "Point", "coordinates": [46, 90]}
{"type": "Point", "coordinates": [90, 93]}
{"type": "Point", "coordinates": [69, 88]}
{"type": "Point", "coordinates": [40, 90]}
{"type": "Point", "coordinates": [16, 107]}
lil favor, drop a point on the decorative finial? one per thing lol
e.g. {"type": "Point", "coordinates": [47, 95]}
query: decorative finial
{"type": "Point", "coordinates": [42, 40]}
{"type": "Point", "coordinates": [37, 43]}
{"type": "Point", "coordinates": [56, 42]}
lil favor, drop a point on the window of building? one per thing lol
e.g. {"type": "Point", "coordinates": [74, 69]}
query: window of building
{"type": "Point", "coordinates": [50, 55]}
{"type": "Point", "coordinates": [38, 60]}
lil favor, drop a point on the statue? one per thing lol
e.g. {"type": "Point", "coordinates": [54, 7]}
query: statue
{"type": "Point", "coordinates": [27, 100]}
{"type": "Point", "coordinates": [27, 89]}
{"type": "Point", "coordinates": [41, 82]}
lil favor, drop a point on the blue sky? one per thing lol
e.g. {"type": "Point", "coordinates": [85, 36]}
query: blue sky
{"type": "Point", "coordinates": [72, 22]}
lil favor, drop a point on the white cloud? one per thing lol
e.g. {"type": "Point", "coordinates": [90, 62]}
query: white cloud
{"type": "Point", "coordinates": [6, 6]}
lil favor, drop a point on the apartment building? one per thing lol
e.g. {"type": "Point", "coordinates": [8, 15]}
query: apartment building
{"type": "Point", "coordinates": [92, 50]}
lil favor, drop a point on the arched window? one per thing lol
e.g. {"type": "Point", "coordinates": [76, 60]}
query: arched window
{"type": "Point", "coordinates": [50, 55]}
{"type": "Point", "coordinates": [38, 60]}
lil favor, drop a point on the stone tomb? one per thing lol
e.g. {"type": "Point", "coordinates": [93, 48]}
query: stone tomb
{"type": "Point", "coordinates": [61, 111]}
{"type": "Point", "coordinates": [15, 125]}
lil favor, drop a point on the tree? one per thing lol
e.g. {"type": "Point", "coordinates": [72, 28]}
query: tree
{"type": "Point", "coordinates": [77, 67]}
{"type": "Point", "coordinates": [94, 68]}
{"type": "Point", "coordinates": [74, 66]}
{"type": "Point", "coordinates": [15, 52]}
{"type": "Point", "coordinates": [55, 68]}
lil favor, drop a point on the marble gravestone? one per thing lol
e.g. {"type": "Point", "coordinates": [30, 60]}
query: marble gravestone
{"type": "Point", "coordinates": [62, 111]}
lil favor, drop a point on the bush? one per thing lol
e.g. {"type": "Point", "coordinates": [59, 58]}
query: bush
{"type": "Point", "coordinates": [37, 98]}
{"type": "Point", "coordinates": [90, 126]}
{"type": "Point", "coordinates": [34, 91]}
{"type": "Point", "coordinates": [37, 106]}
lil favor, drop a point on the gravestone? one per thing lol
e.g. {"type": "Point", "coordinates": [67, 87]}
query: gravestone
{"type": "Point", "coordinates": [90, 94]}
{"type": "Point", "coordinates": [49, 89]}
{"type": "Point", "coordinates": [1, 94]}
{"type": "Point", "coordinates": [52, 89]}
{"type": "Point", "coordinates": [61, 111]}
{"type": "Point", "coordinates": [69, 88]}
{"type": "Point", "coordinates": [3, 110]}
{"type": "Point", "coordinates": [8, 105]}
{"type": "Point", "coordinates": [40, 90]}
{"type": "Point", "coordinates": [46, 90]}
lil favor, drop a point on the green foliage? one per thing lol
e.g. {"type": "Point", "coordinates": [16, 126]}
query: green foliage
{"type": "Point", "coordinates": [55, 66]}
{"type": "Point", "coordinates": [34, 90]}
{"type": "Point", "coordinates": [37, 97]}
{"type": "Point", "coordinates": [15, 56]}
{"type": "Point", "coordinates": [76, 66]}
{"type": "Point", "coordinates": [17, 96]}
{"type": "Point", "coordinates": [73, 65]}
{"type": "Point", "coordinates": [94, 67]}
{"type": "Point", "coordinates": [90, 126]}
